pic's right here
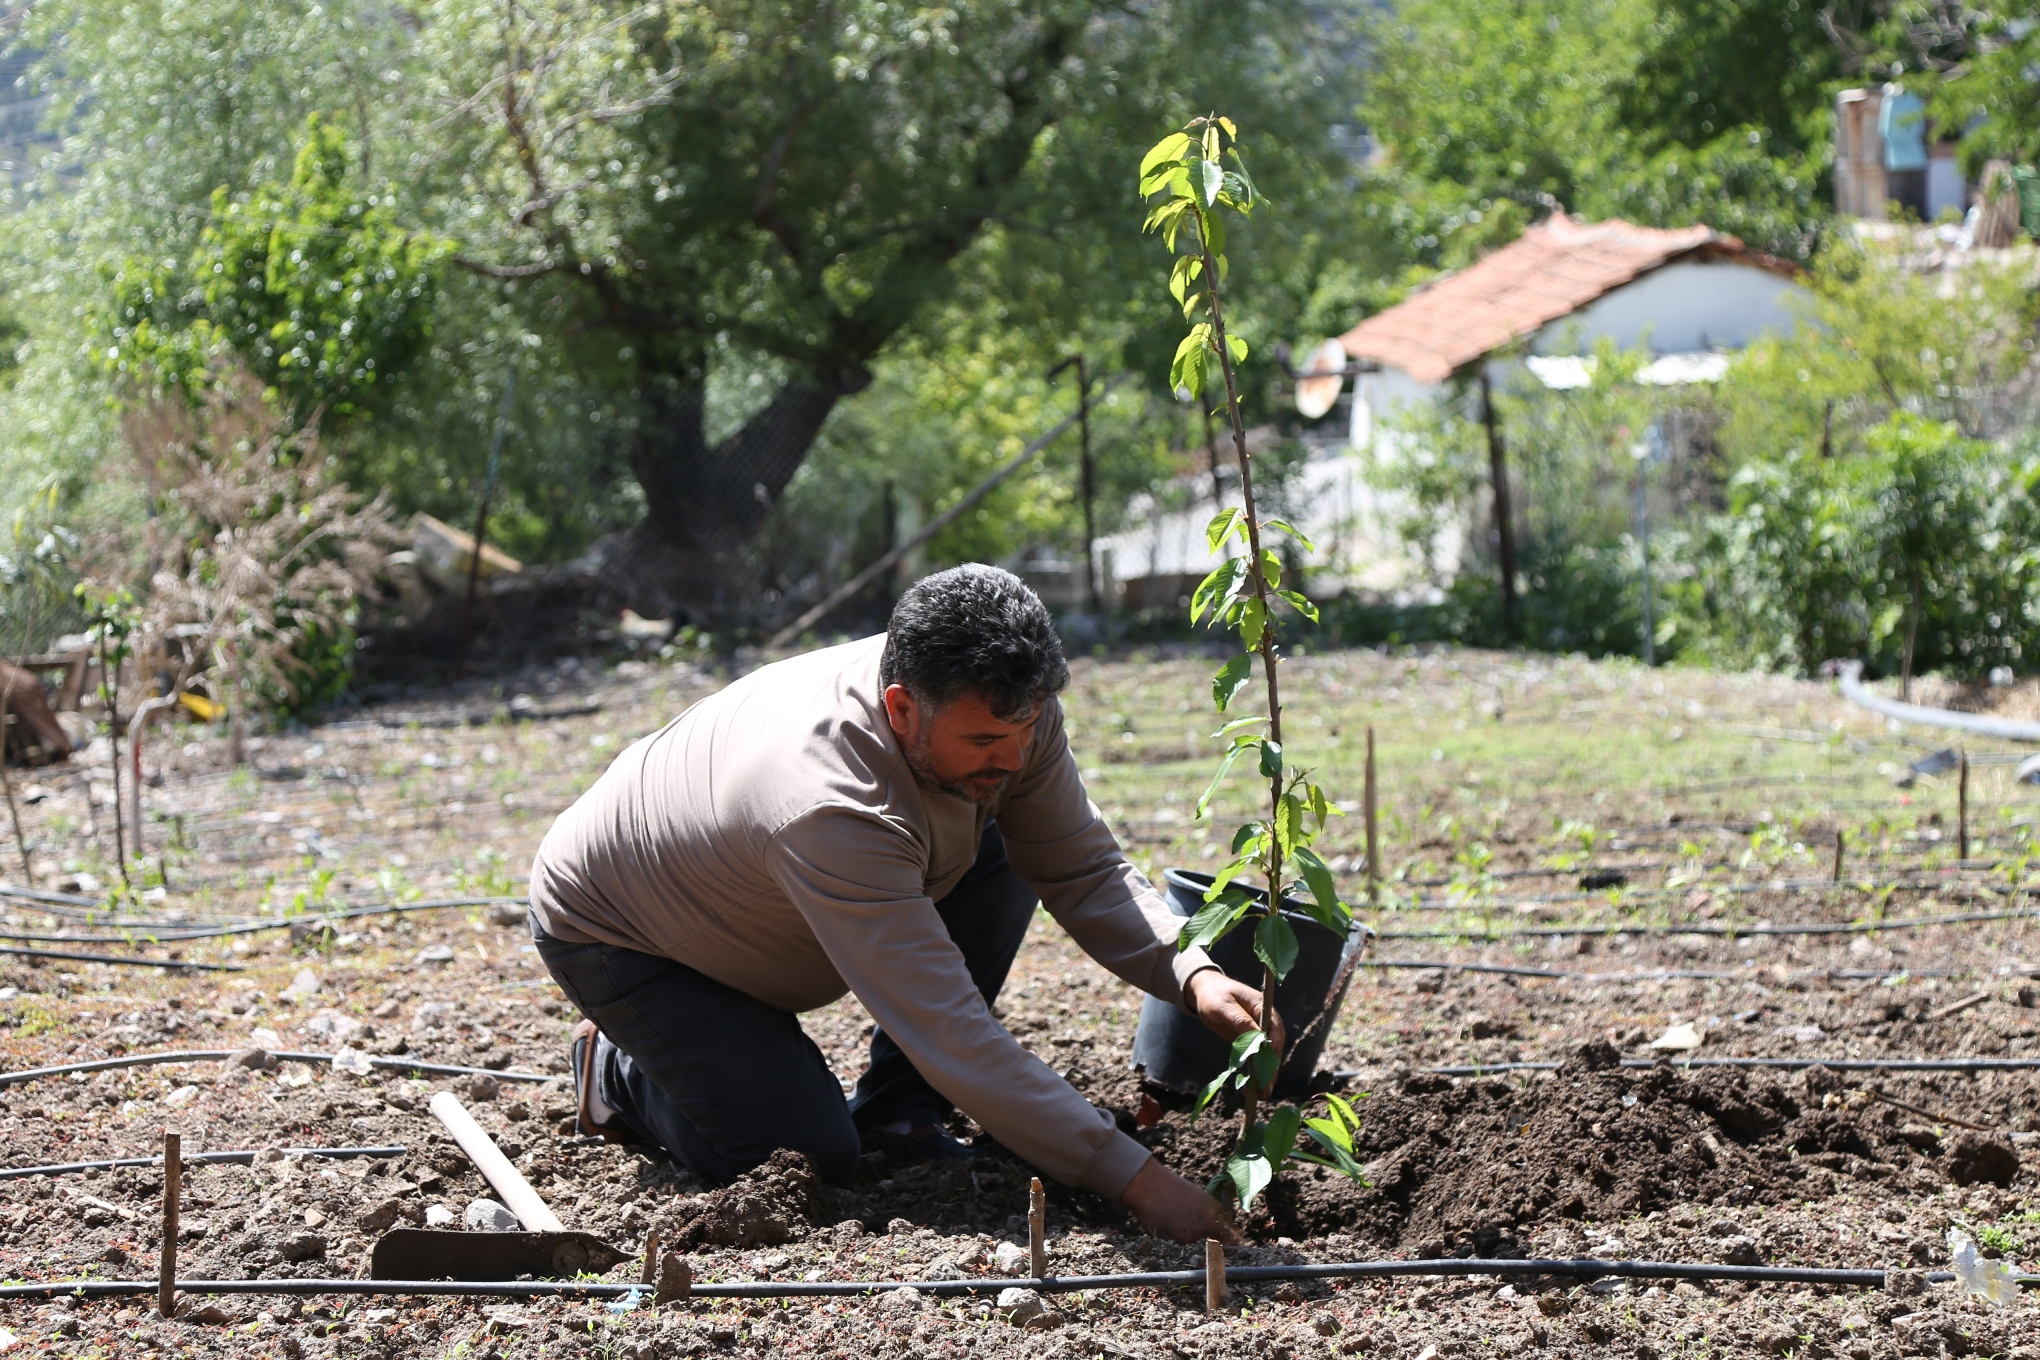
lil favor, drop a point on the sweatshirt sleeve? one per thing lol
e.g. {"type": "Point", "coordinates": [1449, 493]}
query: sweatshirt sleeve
{"type": "Point", "coordinates": [855, 877]}
{"type": "Point", "coordinates": [1059, 844]}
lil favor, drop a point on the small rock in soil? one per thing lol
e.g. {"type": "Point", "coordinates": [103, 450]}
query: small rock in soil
{"type": "Point", "coordinates": [905, 1299]}
{"type": "Point", "coordinates": [485, 1215]}
{"type": "Point", "coordinates": [1008, 1259]}
{"type": "Point", "coordinates": [1979, 1157]}
{"type": "Point", "coordinates": [303, 1246]}
{"type": "Point", "coordinates": [482, 1088]}
{"type": "Point", "coordinates": [1024, 1308]}
{"type": "Point", "coordinates": [438, 1216]}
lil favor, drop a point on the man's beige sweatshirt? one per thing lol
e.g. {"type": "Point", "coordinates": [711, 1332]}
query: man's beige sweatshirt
{"type": "Point", "coordinates": [773, 838]}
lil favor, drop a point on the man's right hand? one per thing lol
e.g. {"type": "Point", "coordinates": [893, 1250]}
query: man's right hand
{"type": "Point", "coordinates": [1169, 1206]}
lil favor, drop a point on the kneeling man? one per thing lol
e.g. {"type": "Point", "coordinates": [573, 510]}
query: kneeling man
{"type": "Point", "coordinates": [881, 818]}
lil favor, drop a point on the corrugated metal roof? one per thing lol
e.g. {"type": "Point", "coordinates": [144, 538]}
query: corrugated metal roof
{"type": "Point", "coordinates": [1552, 270]}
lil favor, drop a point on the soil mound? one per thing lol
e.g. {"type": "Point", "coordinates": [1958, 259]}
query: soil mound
{"type": "Point", "coordinates": [1461, 1169]}
{"type": "Point", "coordinates": [1975, 1157]}
{"type": "Point", "coordinates": [776, 1202]}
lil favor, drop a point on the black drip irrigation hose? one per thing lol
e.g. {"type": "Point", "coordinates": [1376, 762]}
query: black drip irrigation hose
{"type": "Point", "coordinates": [119, 961]}
{"type": "Point", "coordinates": [172, 932]}
{"type": "Point", "coordinates": [1664, 974]}
{"type": "Point", "coordinates": [1051, 1284]}
{"type": "Point", "coordinates": [1714, 929]}
{"type": "Point", "coordinates": [221, 1054]}
{"type": "Point", "coordinates": [1785, 1064]}
{"type": "Point", "coordinates": [244, 1157]}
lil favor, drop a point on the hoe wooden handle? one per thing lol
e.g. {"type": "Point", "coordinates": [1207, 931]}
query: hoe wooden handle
{"type": "Point", "coordinates": [518, 1196]}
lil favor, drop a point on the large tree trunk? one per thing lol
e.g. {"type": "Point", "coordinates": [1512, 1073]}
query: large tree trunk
{"type": "Point", "coordinates": [704, 502]}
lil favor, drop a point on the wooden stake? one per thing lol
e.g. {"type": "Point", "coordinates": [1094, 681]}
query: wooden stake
{"type": "Point", "coordinates": [1037, 1228]}
{"type": "Point", "coordinates": [1373, 847]}
{"type": "Point", "coordinates": [649, 1272]}
{"type": "Point", "coordinates": [1962, 807]}
{"type": "Point", "coordinates": [1840, 850]}
{"type": "Point", "coordinates": [1214, 1275]}
{"type": "Point", "coordinates": [166, 1259]}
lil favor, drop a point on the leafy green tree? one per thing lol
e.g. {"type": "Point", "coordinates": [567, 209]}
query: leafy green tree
{"type": "Point", "coordinates": [647, 201]}
{"type": "Point", "coordinates": [314, 287]}
{"type": "Point", "coordinates": [1665, 111]}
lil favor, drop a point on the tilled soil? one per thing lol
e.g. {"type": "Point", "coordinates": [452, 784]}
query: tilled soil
{"type": "Point", "coordinates": [1815, 1168]}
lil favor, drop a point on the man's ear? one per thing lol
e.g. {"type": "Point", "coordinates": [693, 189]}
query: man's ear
{"type": "Point", "coordinates": [901, 711]}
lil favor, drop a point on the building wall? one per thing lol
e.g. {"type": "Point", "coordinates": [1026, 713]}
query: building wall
{"type": "Point", "coordinates": [1682, 308]}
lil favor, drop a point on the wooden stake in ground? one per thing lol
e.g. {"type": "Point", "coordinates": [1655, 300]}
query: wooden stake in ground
{"type": "Point", "coordinates": [1214, 1275]}
{"type": "Point", "coordinates": [1962, 806]}
{"type": "Point", "coordinates": [649, 1273]}
{"type": "Point", "coordinates": [1373, 851]}
{"type": "Point", "coordinates": [1840, 850]}
{"type": "Point", "coordinates": [166, 1259]}
{"type": "Point", "coordinates": [1037, 1228]}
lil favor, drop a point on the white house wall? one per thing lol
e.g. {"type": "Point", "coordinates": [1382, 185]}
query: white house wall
{"type": "Point", "coordinates": [1679, 309]}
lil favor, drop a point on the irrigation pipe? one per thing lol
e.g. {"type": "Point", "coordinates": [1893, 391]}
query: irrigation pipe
{"type": "Point", "coordinates": [1661, 974]}
{"type": "Point", "coordinates": [177, 932]}
{"type": "Point", "coordinates": [1726, 931]}
{"type": "Point", "coordinates": [1786, 1064]}
{"type": "Point", "coordinates": [241, 1158]}
{"type": "Point", "coordinates": [1850, 674]}
{"type": "Point", "coordinates": [221, 1054]}
{"type": "Point", "coordinates": [1047, 1284]}
{"type": "Point", "coordinates": [72, 956]}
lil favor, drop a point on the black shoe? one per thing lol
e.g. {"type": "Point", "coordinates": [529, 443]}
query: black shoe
{"type": "Point", "coordinates": [582, 1055]}
{"type": "Point", "coordinates": [922, 1143]}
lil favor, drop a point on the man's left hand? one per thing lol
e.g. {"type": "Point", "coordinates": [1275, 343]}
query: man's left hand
{"type": "Point", "coordinates": [1228, 1007]}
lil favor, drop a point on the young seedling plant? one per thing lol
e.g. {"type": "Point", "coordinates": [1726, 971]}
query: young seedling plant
{"type": "Point", "coordinates": [1189, 181]}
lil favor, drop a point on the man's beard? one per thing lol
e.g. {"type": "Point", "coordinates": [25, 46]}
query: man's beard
{"type": "Point", "coordinates": [967, 788]}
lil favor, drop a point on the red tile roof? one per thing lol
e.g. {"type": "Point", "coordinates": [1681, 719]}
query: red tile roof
{"type": "Point", "coordinates": [1551, 270]}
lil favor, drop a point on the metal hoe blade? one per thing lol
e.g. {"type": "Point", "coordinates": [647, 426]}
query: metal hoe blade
{"type": "Point", "coordinates": [431, 1254]}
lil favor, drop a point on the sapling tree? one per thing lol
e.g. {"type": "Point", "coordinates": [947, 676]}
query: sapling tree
{"type": "Point", "coordinates": [1189, 181]}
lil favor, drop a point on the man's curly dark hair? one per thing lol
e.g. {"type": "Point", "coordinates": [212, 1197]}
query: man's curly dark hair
{"type": "Point", "coordinates": [977, 630]}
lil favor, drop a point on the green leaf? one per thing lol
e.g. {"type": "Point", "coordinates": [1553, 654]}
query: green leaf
{"type": "Point", "coordinates": [1247, 836]}
{"type": "Point", "coordinates": [1263, 1066]}
{"type": "Point", "coordinates": [1223, 525]}
{"type": "Point", "coordinates": [1300, 603]}
{"type": "Point", "coordinates": [1211, 181]}
{"type": "Point", "coordinates": [1340, 1158]}
{"type": "Point", "coordinates": [1214, 233]}
{"type": "Point", "coordinates": [1218, 588]}
{"type": "Point", "coordinates": [1187, 369]}
{"type": "Point", "coordinates": [1249, 1176]}
{"type": "Point", "coordinates": [1253, 621]}
{"type": "Point", "coordinates": [1170, 148]}
{"type": "Point", "coordinates": [1275, 944]}
{"type": "Point", "coordinates": [1336, 1134]}
{"type": "Point", "coordinates": [1213, 922]}
{"type": "Point", "coordinates": [1321, 809]}
{"type": "Point", "coordinates": [1231, 678]}
{"type": "Point", "coordinates": [1254, 721]}
{"type": "Point", "coordinates": [1271, 567]}
{"type": "Point", "coordinates": [1286, 527]}
{"type": "Point", "coordinates": [1226, 875]}
{"type": "Point", "coordinates": [1225, 765]}
{"type": "Point", "coordinates": [1280, 1135]}
{"type": "Point", "coordinates": [1288, 816]}
{"type": "Point", "coordinates": [1318, 875]}
{"type": "Point", "coordinates": [1237, 347]}
{"type": "Point", "coordinates": [1343, 1111]}
{"type": "Point", "coordinates": [1188, 267]}
{"type": "Point", "coordinates": [1271, 759]}
{"type": "Point", "coordinates": [1167, 217]}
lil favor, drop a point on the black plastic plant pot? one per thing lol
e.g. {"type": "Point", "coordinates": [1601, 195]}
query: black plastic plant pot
{"type": "Point", "coordinates": [1174, 1048]}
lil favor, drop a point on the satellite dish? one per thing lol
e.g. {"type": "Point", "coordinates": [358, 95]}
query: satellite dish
{"type": "Point", "coordinates": [1321, 380]}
